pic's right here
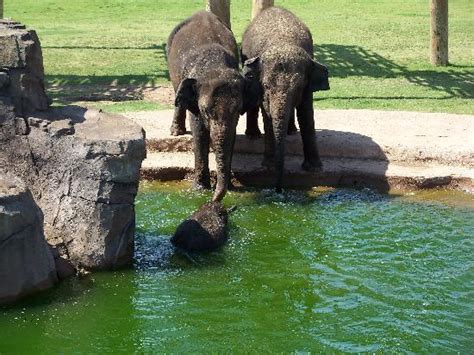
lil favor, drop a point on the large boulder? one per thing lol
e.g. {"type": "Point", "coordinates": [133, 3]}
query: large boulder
{"type": "Point", "coordinates": [82, 166]}
{"type": "Point", "coordinates": [26, 262]}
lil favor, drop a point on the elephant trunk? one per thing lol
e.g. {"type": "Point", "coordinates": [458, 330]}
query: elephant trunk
{"type": "Point", "coordinates": [280, 114]}
{"type": "Point", "coordinates": [223, 137]}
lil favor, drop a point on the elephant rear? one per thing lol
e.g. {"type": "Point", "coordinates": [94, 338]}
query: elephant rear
{"type": "Point", "coordinates": [201, 30]}
{"type": "Point", "coordinates": [275, 26]}
{"type": "Point", "coordinates": [204, 230]}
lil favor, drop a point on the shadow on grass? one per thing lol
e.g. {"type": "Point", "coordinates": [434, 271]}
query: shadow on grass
{"type": "Point", "coordinates": [347, 61]}
{"type": "Point", "coordinates": [67, 88]}
{"type": "Point", "coordinates": [157, 47]}
{"type": "Point", "coordinates": [343, 61]}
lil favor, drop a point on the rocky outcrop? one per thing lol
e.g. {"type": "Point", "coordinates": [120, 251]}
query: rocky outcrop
{"type": "Point", "coordinates": [82, 166]}
{"type": "Point", "coordinates": [21, 68]}
{"type": "Point", "coordinates": [26, 262]}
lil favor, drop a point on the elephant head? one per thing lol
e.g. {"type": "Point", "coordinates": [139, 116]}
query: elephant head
{"type": "Point", "coordinates": [284, 75]}
{"type": "Point", "coordinates": [216, 103]}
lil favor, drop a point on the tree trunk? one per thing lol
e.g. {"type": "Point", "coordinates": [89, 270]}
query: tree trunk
{"type": "Point", "coordinates": [220, 8]}
{"type": "Point", "coordinates": [259, 5]}
{"type": "Point", "coordinates": [439, 32]}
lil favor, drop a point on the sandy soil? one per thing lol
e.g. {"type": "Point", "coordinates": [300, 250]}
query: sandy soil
{"type": "Point", "coordinates": [396, 148]}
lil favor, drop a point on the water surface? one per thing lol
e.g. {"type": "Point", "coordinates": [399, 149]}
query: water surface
{"type": "Point", "coordinates": [328, 270]}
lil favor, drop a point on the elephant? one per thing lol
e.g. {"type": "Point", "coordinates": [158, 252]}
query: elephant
{"type": "Point", "coordinates": [204, 230]}
{"type": "Point", "coordinates": [203, 66]}
{"type": "Point", "coordinates": [277, 53]}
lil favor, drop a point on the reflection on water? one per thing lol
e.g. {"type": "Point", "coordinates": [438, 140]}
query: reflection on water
{"type": "Point", "coordinates": [329, 270]}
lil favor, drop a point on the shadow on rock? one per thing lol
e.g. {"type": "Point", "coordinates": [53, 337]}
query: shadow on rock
{"type": "Point", "coordinates": [349, 160]}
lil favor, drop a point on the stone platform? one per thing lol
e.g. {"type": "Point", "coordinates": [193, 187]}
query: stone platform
{"type": "Point", "coordinates": [382, 149]}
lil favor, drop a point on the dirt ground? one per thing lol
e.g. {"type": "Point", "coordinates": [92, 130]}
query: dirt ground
{"type": "Point", "coordinates": [394, 147]}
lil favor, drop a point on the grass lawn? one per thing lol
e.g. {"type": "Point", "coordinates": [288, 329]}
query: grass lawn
{"type": "Point", "coordinates": [377, 51]}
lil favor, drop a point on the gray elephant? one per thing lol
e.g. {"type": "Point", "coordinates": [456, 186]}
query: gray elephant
{"type": "Point", "coordinates": [204, 69]}
{"type": "Point", "coordinates": [205, 230]}
{"type": "Point", "coordinates": [277, 52]}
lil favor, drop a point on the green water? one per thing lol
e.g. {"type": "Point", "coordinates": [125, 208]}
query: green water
{"type": "Point", "coordinates": [327, 271]}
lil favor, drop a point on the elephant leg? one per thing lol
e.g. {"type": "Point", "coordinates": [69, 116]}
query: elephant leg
{"type": "Point", "coordinates": [291, 124]}
{"type": "Point", "coordinates": [305, 113]}
{"type": "Point", "coordinates": [201, 139]}
{"type": "Point", "coordinates": [269, 142]}
{"type": "Point", "coordinates": [252, 131]}
{"type": "Point", "coordinates": [178, 127]}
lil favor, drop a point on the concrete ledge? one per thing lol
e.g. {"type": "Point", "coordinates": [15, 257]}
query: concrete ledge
{"type": "Point", "coordinates": [382, 175]}
{"type": "Point", "coordinates": [358, 147]}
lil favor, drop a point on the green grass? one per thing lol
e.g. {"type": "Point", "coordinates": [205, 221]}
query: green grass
{"type": "Point", "coordinates": [129, 106]}
{"type": "Point", "coordinates": [377, 51]}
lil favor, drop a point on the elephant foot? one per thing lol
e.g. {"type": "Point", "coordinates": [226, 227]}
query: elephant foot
{"type": "Point", "coordinates": [313, 165]}
{"type": "Point", "coordinates": [177, 131]}
{"type": "Point", "coordinates": [253, 134]}
{"type": "Point", "coordinates": [201, 185]}
{"type": "Point", "coordinates": [292, 131]}
{"type": "Point", "coordinates": [230, 186]}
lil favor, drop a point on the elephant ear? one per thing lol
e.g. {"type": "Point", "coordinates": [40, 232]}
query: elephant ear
{"type": "Point", "coordinates": [252, 89]}
{"type": "Point", "coordinates": [251, 68]}
{"type": "Point", "coordinates": [319, 77]}
{"type": "Point", "coordinates": [186, 96]}
{"type": "Point", "coordinates": [243, 57]}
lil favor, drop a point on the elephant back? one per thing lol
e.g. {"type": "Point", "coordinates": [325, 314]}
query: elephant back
{"type": "Point", "coordinates": [275, 27]}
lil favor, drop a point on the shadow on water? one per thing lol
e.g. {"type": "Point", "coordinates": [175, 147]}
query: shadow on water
{"type": "Point", "coordinates": [66, 291]}
{"type": "Point", "coordinates": [345, 61]}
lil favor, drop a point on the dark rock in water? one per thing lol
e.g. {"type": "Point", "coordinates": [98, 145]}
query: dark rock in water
{"type": "Point", "coordinates": [64, 268]}
{"type": "Point", "coordinates": [26, 262]}
{"type": "Point", "coordinates": [204, 230]}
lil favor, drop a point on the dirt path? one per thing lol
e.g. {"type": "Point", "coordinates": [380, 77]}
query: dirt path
{"type": "Point", "coordinates": [359, 147]}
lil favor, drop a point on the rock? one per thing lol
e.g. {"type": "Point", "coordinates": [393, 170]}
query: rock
{"type": "Point", "coordinates": [82, 167]}
{"type": "Point", "coordinates": [204, 230]}
{"type": "Point", "coordinates": [22, 75]}
{"type": "Point", "coordinates": [64, 268]}
{"type": "Point", "coordinates": [26, 262]}
{"type": "Point", "coordinates": [4, 80]}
